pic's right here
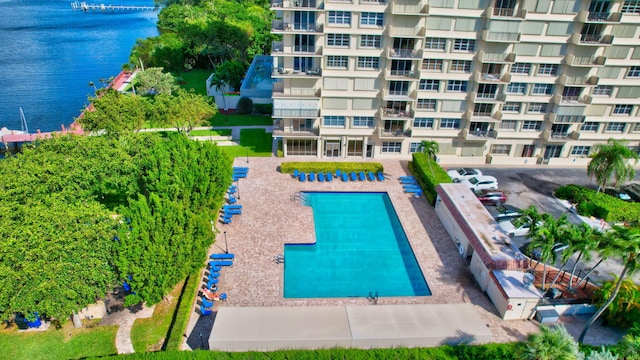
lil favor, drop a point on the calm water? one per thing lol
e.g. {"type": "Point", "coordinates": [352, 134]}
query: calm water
{"type": "Point", "coordinates": [360, 249]}
{"type": "Point", "coordinates": [49, 54]}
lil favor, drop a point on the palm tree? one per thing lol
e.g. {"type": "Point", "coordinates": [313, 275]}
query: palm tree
{"type": "Point", "coordinates": [624, 243]}
{"type": "Point", "coordinates": [430, 148]}
{"type": "Point", "coordinates": [578, 238]}
{"type": "Point", "coordinates": [612, 160]}
{"type": "Point", "coordinates": [584, 244]}
{"type": "Point", "coordinates": [533, 218]}
{"type": "Point", "coordinates": [552, 343]}
{"type": "Point", "coordinates": [547, 237]}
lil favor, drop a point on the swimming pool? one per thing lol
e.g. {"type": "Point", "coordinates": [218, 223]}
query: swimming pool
{"type": "Point", "coordinates": [360, 249]}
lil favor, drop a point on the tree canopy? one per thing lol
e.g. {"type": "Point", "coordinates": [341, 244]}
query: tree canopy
{"type": "Point", "coordinates": [611, 160]}
{"type": "Point", "coordinates": [153, 81]}
{"type": "Point", "coordinates": [114, 113]}
{"type": "Point", "coordinates": [82, 214]}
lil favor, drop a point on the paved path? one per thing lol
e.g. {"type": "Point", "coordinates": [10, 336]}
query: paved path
{"type": "Point", "coordinates": [125, 319]}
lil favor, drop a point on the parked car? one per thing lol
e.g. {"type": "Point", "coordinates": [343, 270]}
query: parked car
{"type": "Point", "coordinates": [512, 230]}
{"type": "Point", "coordinates": [502, 212]}
{"type": "Point", "coordinates": [481, 182]}
{"type": "Point", "coordinates": [463, 174]}
{"type": "Point", "coordinates": [491, 197]}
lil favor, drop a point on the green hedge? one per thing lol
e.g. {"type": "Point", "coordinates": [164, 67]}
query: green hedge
{"type": "Point", "coordinates": [601, 205]}
{"type": "Point", "coordinates": [429, 174]}
{"type": "Point", "coordinates": [174, 338]}
{"type": "Point", "coordinates": [288, 167]}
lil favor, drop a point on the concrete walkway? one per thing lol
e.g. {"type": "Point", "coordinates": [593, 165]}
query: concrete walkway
{"type": "Point", "coordinates": [124, 320]}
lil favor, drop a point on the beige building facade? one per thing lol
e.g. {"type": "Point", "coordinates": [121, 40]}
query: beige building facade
{"type": "Point", "coordinates": [513, 82]}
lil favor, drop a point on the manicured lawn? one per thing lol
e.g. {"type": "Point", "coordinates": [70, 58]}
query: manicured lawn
{"type": "Point", "coordinates": [253, 143]}
{"type": "Point", "coordinates": [195, 79]}
{"type": "Point", "coordinates": [236, 120]}
{"type": "Point", "coordinates": [65, 343]}
{"type": "Point", "coordinates": [149, 334]}
{"type": "Point", "coordinates": [221, 132]}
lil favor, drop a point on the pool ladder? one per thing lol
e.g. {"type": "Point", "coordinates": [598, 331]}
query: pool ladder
{"type": "Point", "coordinates": [301, 198]}
{"type": "Point", "coordinates": [373, 298]}
{"type": "Point", "coordinates": [278, 259]}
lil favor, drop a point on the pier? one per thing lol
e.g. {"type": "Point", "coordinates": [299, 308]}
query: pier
{"type": "Point", "coordinates": [104, 7]}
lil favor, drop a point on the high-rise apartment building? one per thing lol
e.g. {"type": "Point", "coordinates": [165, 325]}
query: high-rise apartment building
{"type": "Point", "coordinates": [491, 81]}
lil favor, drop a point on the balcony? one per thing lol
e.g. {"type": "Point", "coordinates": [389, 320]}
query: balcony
{"type": "Point", "coordinates": [421, 8]}
{"type": "Point", "coordinates": [399, 95]}
{"type": "Point", "coordinates": [283, 72]}
{"type": "Point", "coordinates": [479, 77]}
{"type": "Point", "coordinates": [585, 61]}
{"type": "Point", "coordinates": [591, 40]}
{"type": "Point", "coordinates": [393, 133]}
{"type": "Point", "coordinates": [506, 14]}
{"type": "Point", "coordinates": [389, 113]}
{"type": "Point", "coordinates": [478, 135]}
{"type": "Point", "coordinates": [571, 100]}
{"type": "Point", "coordinates": [558, 136]}
{"type": "Point", "coordinates": [291, 131]}
{"type": "Point", "coordinates": [482, 116]}
{"type": "Point", "coordinates": [565, 119]}
{"type": "Point", "coordinates": [298, 113]}
{"type": "Point", "coordinates": [405, 31]}
{"type": "Point", "coordinates": [578, 80]}
{"type": "Point", "coordinates": [279, 92]}
{"type": "Point", "coordinates": [496, 58]}
{"type": "Point", "coordinates": [599, 17]}
{"type": "Point", "coordinates": [279, 26]}
{"type": "Point", "coordinates": [404, 53]}
{"type": "Point", "coordinates": [277, 47]}
{"type": "Point", "coordinates": [500, 37]}
{"type": "Point", "coordinates": [488, 97]}
{"type": "Point", "coordinates": [401, 75]}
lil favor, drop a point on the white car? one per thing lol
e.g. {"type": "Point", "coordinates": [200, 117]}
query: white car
{"type": "Point", "coordinates": [463, 174]}
{"type": "Point", "coordinates": [512, 230]}
{"type": "Point", "coordinates": [482, 182]}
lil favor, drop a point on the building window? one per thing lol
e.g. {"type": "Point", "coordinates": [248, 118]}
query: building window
{"type": "Point", "coordinates": [301, 147]}
{"type": "Point", "coordinates": [335, 61]}
{"type": "Point", "coordinates": [508, 125]}
{"type": "Point", "coordinates": [537, 108]}
{"type": "Point", "coordinates": [368, 62]}
{"type": "Point", "coordinates": [427, 104]}
{"type": "Point", "coordinates": [432, 43]}
{"type": "Point", "coordinates": [450, 123]}
{"type": "Point", "coordinates": [415, 147]}
{"type": "Point", "coordinates": [569, 119]}
{"type": "Point", "coordinates": [580, 150]}
{"type": "Point", "coordinates": [429, 84]}
{"type": "Point", "coordinates": [425, 123]}
{"type": "Point", "coordinates": [634, 72]}
{"type": "Point", "coordinates": [371, 19]}
{"type": "Point", "coordinates": [432, 65]}
{"type": "Point", "coordinates": [333, 121]}
{"type": "Point", "coordinates": [631, 7]}
{"type": "Point", "coordinates": [548, 69]}
{"type": "Point", "coordinates": [615, 127]}
{"type": "Point", "coordinates": [521, 68]}
{"type": "Point", "coordinates": [602, 90]}
{"type": "Point", "coordinates": [466, 45]}
{"type": "Point", "coordinates": [542, 89]}
{"type": "Point", "coordinates": [622, 109]}
{"type": "Point", "coordinates": [371, 41]}
{"type": "Point", "coordinates": [517, 88]}
{"type": "Point", "coordinates": [340, 17]}
{"type": "Point", "coordinates": [531, 125]}
{"type": "Point", "coordinates": [511, 107]}
{"type": "Point", "coordinates": [590, 126]}
{"type": "Point", "coordinates": [500, 149]}
{"type": "Point", "coordinates": [362, 121]}
{"type": "Point", "coordinates": [636, 128]}
{"type": "Point", "coordinates": [391, 147]}
{"type": "Point", "coordinates": [461, 65]}
{"type": "Point", "coordinates": [457, 85]}
{"type": "Point", "coordinates": [338, 40]}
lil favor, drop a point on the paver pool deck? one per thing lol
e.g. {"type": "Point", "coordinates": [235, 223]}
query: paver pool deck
{"type": "Point", "coordinates": [270, 219]}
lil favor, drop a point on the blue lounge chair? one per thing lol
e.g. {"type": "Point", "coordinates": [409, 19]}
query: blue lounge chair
{"type": "Point", "coordinates": [241, 168]}
{"type": "Point", "coordinates": [219, 263]}
{"type": "Point", "coordinates": [231, 191]}
{"type": "Point", "coordinates": [223, 296]}
{"type": "Point", "coordinates": [295, 173]}
{"type": "Point", "coordinates": [329, 177]}
{"type": "Point", "coordinates": [312, 176]}
{"type": "Point", "coordinates": [225, 220]}
{"type": "Point", "coordinates": [338, 173]}
{"type": "Point", "coordinates": [233, 212]}
{"type": "Point", "coordinates": [204, 311]}
{"type": "Point", "coordinates": [213, 275]}
{"type": "Point", "coordinates": [406, 177]}
{"type": "Point", "coordinates": [234, 178]}
{"type": "Point", "coordinates": [211, 283]}
{"type": "Point", "coordinates": [237, 206]}
{"type": "Point", "coordinates": [371, 176]}
{"type": "Point", "coordinates": [361, 176]}
{"type": "Point", "coordinates": [206, 302]}
{"type": "Point", "coordinates": [417, 190]}
{"type": "Point", "coordinates": [380, 176]}
{"type": "Point", "coordinates": [222, 256]}
{"type": "Point", "coordinates": [408, 181]}
{"type": "Point", "coordinates": [232, 187]}
{"type": "Point", "coordinates": [214, 266]}
{"type": "Point", "coordinates": [320, 177]}
{"type": "Point", "coordinates": [232, 200]}
{"type": "Point", "coordinates": [411, 186]}
{"type": "Point", "coordinates": [237, 176]}
{"type": "Point", "coordinates": [345, 177]}
{"type": "Point", "coordinates": [302, 177]}
{"type": "Point", "coordinates": [353, 176]}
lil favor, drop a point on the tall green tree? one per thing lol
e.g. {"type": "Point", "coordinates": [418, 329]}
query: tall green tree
{"type": "Point", "coordinates": [183, 110]}
{"type": "Point", "coordinates": [552, 343]}
{"type": "Point", "coordinates": [430, 148]}
{"type": "Point", "coordinates": [610, 162]}
{"type": "Point", "coordinates": [154, 81]}
{"type": "Point", "coordinates": [585, 242]}
{"type": "Point", "coordinates": [113, 113]}
{"type": "Point", "coordinates": [622, 243]}
{"type": "Point", "coordinates": [580, 238]}
{"type": "Point", "coordinates": [546, 238]}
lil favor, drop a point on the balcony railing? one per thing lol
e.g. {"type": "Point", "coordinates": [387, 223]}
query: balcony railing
{"type": "Point", "coordinates": [280, 25]}
{"type": "Point", "coordinates": [404, 74]}
{"type": "Point", "coordinates": [599, 17]}
{"type": "Point", "coordinates": [502, 37]}
{"type": "Point", "coordinates": [403, 31]}
{"type": "Point", "coordinates": [395, 113]}
{"type": "Point", "coordinates": [578, 80]}
{"type": "Point", "coordinates": [410, 9]}
{"type": "Point", "coordinates": [571, 100]}
{"type": "Point", "coordinates": [279, 91]}
{"type": "Point", "coordinates": [288, 72]}
{"type": "Point", "coordinates": [592, 39]}
{"type": "Point", "coordinates": [297, 4]}
{"type": "Point", "coordinates": [303, 113]}
{"type": "Point", "coordinates": [277, 46]}
{"type": "Point", "coordinates": [496, 58]}
{"type": "Point", "coordinates": [507, 13]}
{"type": "Point", "coordinates": [404, 53]}
{"type": "Point", "coordinates": [586, 61]}
{"type": "Point", "coordinates": [479, 134]}
{"type": "Point", "coordinates": [393, 132]}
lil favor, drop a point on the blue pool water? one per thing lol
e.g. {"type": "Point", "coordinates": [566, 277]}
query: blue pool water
{"type": "Point", "coordinates": [360, 249]}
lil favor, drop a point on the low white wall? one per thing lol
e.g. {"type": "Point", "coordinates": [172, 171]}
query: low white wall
{"type": "Point", "coordinates": [445, 160]}
{"type": "Point", "coordinates": [572, 161]}
{"type": "Point", "coordinates": [579, 309]}
{"type": "Point", "coordinates": [508, 160]}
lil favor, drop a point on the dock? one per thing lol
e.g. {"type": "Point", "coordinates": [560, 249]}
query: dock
{"type": "Point", "coordinates": [105, 7]}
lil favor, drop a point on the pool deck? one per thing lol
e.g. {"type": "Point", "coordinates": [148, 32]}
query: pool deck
{"type": "Point", "coordinates": [271, 219]}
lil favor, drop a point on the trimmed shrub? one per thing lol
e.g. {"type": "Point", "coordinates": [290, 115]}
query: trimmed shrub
{"type": "Point", "coordinates": [263, 109]}
{"type": "Point", "coordinates": [429, 174]}
{"type": "Point", "coordinates": [245, 106]}
{"type": "Point", "coordinates": [288, 167]}
{"type": "Point", "coordinates": [601, 205]}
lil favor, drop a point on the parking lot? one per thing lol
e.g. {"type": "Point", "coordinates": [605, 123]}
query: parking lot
{"type": "Point", "coordinates": [535, 186]}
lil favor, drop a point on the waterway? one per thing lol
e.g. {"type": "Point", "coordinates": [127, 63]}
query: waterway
{"type": "Point", "coordinates": [49, 54]}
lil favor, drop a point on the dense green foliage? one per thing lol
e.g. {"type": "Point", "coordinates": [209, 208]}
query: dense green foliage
{"type": "Point", "coordinates": [429, 174]}
{"type": "Point", "coordinates": [552, 343]}
{"type": "Point", "coordinates": [153, 81]}
{"type": "Point", "coordinates": [601, 205]}
{"type": "Point", "coordinates": [288, 167]}
{"type": "Point", "coordinates": [181, 316]}
{"type": "Point", "coordinates": [183, 110]}
{"type": "Point", "coordinates": [624, 311]}
{"type": "Point", "coordinates": [62, 246]}
{"type": "Point", "coordinates": [245, 106]}
{"type": "Point", "coordinates": [610, 163]}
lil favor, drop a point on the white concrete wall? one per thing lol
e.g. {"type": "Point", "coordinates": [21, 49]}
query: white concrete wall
{"type": "Point", "coordinates": [479, 271]}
